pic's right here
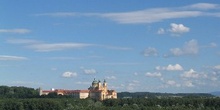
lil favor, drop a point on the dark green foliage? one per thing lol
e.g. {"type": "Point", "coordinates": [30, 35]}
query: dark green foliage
{"type": "Point", "coordinates": [30, 104]}
{"type": "Point", "coordinates": [110, 104]}
{"type": "Point", "coordinates": [165, 103]}
{"type": "Point", "coordinates": [17, 92]}
{"type": "Point", "coordinates": [11, 105]}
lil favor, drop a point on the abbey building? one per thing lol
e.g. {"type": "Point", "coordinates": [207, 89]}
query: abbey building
{"type": "Point", "coordinates": [97, 91]}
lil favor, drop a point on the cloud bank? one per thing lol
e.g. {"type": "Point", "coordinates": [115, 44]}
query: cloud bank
{"type": "Point", "coordinates": [150, 15]}
{"type": "Point", "coordinates": [189, 48]}
{"type": "Point", "coordinates": [12, 58]}
{"type": "Point", "coordinates": [15, 31]}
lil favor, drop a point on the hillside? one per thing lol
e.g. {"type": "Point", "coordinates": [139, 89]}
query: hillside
{"type": "Point", "coordinates": [160, 95]}
{"type": "Point", "coordinates": [216, 93]}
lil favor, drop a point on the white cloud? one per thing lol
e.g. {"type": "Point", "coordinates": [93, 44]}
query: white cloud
{"type": "Point", "coordinates": [188, 84]}
{"type": "Point", "coordinates": [53, 69]}
{"type": "Point", "coordinates": [214, 14]}
{"type": "Point", "coordinates": [40, 46]}
{"type": "Point", "coordinates": [16, 31]}
{"type": "Point", "coordinates": [69, 74]}
{"type": "Point", "coordinates": [190, 48]}
{"type": "Point", "coordinates": [150, 15]}
{"type": "Point", "coordinates": [57, 46]}
{"type": "Point", "coordinates": [161, 31]}
{"type": "Point", "coordinates": [172, 83]}
{"type": "Point", "coordinates": [135, 73]}
{"type": "Point", "coordinates": [190, 74]}
{"type": "Point", "coordinates": [177, 29]}
{"type": "Point", "coordinates": [150, 52]}
{"type": "Point", "coordinates": [210, 45]}
{"type": "Point", "coordinates": [133, 17]}
{"type": "Point", "coordinates": [162, 79]}
{"type": "Point", "coordinates": [110, 77]}
{"type": "Point", "coordinates": [176, 67]}
{"type": "Point", "coordinates": [176, 51]}
{"type": "Point", "coordinates": [130, 88]}
{"type": "Point", "coordinates": [159, 14]}
{"type": "Point", "coordinates": [132, 85]}
{"type": "Point", "coordinates": [217, 67]}
{"type": "Point", "coordinates": [214, 78]}
{"type": "Point", "coordinates": [156, 74]}
{"type": "Point", "coordinates": [213, 45]}
{"type": "Point", "coordinates": [203, 6]}
{"type": "Point", "coordinates": [47, 47]}
{"type": "Point", "coordinates": [89, 71]}
{"type": "Point", "coordinates": [136, 81]}
{"type": "Point", "coordinates": [12, 58]}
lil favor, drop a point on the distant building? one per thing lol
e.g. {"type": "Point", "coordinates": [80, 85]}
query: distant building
{"type": "Point", "coordinates": [81, 94]}
{"type": "Point", "coordinates": [97, 91]}
{"type": "Point", "coordinates": [100, 91]}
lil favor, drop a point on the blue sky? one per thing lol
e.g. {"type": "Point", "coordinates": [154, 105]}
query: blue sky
{"type": "Point", "coordinates": [153, 46]}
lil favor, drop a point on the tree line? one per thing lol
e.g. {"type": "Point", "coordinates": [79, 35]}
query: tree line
{"type": "Point", "coordinates": [23, 98]}
{"type": "Point", "coordinates": [110, 104]}
{"type": "Point", "coordinates": [18, 92]}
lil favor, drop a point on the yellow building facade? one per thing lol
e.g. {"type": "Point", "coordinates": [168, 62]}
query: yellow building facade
{"type": "Point", "coordinates": [100, 91]}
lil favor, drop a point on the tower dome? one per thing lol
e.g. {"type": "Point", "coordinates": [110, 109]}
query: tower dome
{"type": "Point", "coordinates": [94, 83]}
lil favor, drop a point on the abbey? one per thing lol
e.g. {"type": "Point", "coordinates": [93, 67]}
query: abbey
{"type": "Point", "coordinates": [100, 91]}
{"type": "Point", "coordinates": [97, 91]}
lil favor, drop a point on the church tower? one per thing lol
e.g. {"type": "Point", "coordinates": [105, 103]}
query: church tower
{"type": "Point", "coordinates": [99, 85]}
{"type": "Point", "coordinates": [40, 91]}
{"type": "Point", "coordinates": [105, 85]}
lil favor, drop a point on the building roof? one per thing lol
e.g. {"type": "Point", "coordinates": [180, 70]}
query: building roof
{"type": "Point", "coordinates": [66, 91]}
{"type": "Point", "coordinates": [47, 91]}
{"type": "Point", "coordinates": [96, 90]}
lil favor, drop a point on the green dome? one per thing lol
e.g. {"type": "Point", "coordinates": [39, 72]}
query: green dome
{"type": "Point", "coordinates": [94, 82]}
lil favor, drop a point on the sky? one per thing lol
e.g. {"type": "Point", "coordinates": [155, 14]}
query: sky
{"type": "Point", "coordinates": [151, 46]}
